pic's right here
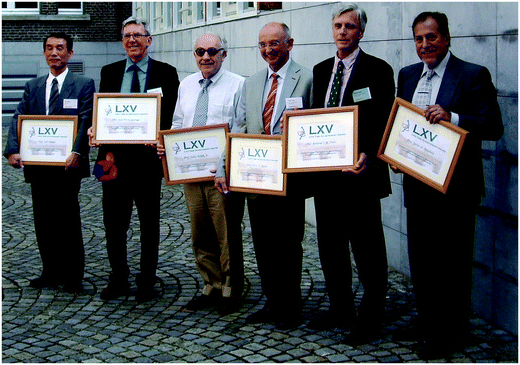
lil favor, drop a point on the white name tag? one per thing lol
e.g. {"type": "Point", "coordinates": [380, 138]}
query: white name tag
{"type": "Point", "coordinates": [70, 103]}
{"type": "Point", "coordinates": [293, 103]}
{"type": "Point", "coordinates": [361, 94]}
{"type": "Point", "coordinates": [157, 90]}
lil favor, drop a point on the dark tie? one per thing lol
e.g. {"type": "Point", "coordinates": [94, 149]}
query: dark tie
{"type": "Point", "coordinates": [201, 108]}
{"type": "Point", "coordinates": [135, 79]}
{"type": "Point", "coordinates": [269, 105]}
{"type": "Point", "coordinates": [336, 86]}
{"type": "Point", "coordinates": [53, 98]}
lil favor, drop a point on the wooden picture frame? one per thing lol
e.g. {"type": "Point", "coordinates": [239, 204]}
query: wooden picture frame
{"type": "Point", "coordinates": [254, 164]}
{"type": "Point", "coordinates": [126, 118]}
{"type": "Point", "coordinates": [323, 139]}
{"type": "Point", "coordinates": [192, 153]}
{"type": "Point", "coordinates": [46, 139]}
{"type": "Point", "coordinates": [428, 152]}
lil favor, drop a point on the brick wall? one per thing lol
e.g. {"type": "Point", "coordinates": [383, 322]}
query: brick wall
{"type": "Point", "coordinates": [100, 22]}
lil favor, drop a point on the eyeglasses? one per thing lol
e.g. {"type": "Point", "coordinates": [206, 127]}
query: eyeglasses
{"type": "Point", "coordinates": [211, 51]}
{"type": "Point", "coordinates": [272, 44]}
{"type": "Point", "coordinates": [136, 36]}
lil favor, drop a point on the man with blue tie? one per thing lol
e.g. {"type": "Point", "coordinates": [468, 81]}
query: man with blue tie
{"type": "Point", "coordinates": [55, 189]}
{"type": "Point", "coordinates": [463, 94]}
{"type": "Point", "coordinates": [278, 250]}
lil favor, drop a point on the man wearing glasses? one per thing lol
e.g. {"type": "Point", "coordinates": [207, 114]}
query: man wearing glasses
{"type": "Point", "coordinates": [134, 172]}
{"type": "Point", "coordinates": [278, 253]}
{"type": "Point", "coordinates": [213, 96]}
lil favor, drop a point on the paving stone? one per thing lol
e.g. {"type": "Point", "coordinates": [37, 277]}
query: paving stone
{"type": "Point", "coordinates": [52, 326]}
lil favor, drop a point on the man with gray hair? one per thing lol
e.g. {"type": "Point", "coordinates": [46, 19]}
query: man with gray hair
{"type": "Point", "coordinates": [133, 173]}
{"type": "Point", "coordinates": [213, 96]}
{"type": "Point", "coordinates": [348, 206]}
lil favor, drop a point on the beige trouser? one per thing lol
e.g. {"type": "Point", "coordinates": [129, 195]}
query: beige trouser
{"type": "Point", "coordinates": [209, 235]}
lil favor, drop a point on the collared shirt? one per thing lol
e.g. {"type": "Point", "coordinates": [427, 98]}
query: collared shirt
{"type": "Point", "coordinates": [348, 62]}
{"type": "Point", "coordinates": [61, 79]}
{"type": "Point", "coordinates": [226, 99]}
{"type": "Point", "coordinates": [436, 80]}
{"type": "Point", "coordinates": [282, 73]}
{"type": "Point", "coordinates": [126, 84]}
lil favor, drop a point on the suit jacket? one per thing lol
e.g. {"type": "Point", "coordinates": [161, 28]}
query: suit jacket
{"type": "Point", "coordinates": [297, 83]}
{"type": "Point", "coordinates": [33, 102]}
{"type": "Point", "coordinates": [466, 89]}
{"type": "Point", "coordinates": [376, 75]}
{"type": "Point", "coordinates": [140, 158]}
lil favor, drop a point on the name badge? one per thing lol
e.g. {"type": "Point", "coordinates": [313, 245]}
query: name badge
{"type": "Point", "coordinates": [361, 94]}
{"type": "Point", "coordinates": [70, 103]}
{"type": "Point", "coordinates": [157, 90]}
{"type": "Point", "coordinates": [293, 103]}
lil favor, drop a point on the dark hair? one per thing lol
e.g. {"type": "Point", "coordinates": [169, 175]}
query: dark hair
{"type": "Point", "coordinates": [61, 35]}
{"type": "Point", "coordinates": [440, 18]}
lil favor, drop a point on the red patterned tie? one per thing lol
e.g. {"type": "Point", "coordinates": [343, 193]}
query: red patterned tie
{"type": "Point", "coordinates": [269, 105]}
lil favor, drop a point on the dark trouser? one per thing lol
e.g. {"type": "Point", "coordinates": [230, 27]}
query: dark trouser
{"type": "Point", "coordinates": [343, 217]}
{"type": "Point", "coordinates": [57, 224]}
{"type": "Point", "coordinates": [277, 225]}
{"type": "Point", "coordinates": [441, 237]}
{"type": "Point", "coordinates": [118, 198]}
{"type": "Point", "coordinates": [234, 204]}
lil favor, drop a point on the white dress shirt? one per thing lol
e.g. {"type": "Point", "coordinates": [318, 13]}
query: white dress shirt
{"type": "Point", "coordinates": [226, 99]}
{"type": "Point", "coordinates": [348, 62]}
{"type": "Point", "coordinates": [61, 79]}
{"type": "Point", "coordinates": [282, 73]}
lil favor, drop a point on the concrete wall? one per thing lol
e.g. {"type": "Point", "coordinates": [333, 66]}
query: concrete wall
{"type": "Point", "coordinates": [482, 32]}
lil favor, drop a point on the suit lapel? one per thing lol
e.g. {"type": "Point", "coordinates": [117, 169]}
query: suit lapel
{"type": "Point", "coordinates": [411, 82]}
{"type": "Point", "coordinates": [40, 96]}
{"type": "Point", "coordinates": [289, 84]}
{"type": "Point", "coordinates": [257, 95]}
{"type": "Point", "coordinates": [67, 91]}
{"type": "Point", "coordinates": [449, 82]}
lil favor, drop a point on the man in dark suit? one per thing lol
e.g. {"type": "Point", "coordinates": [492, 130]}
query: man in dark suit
{"type": "Point", "coordinates": [55, 190]}
{"type": "Point", "coordinates": [139, 169]}
{"type": "Point", "coordinates": [441, 227]}
{"type": "Point", "coordinates": [278, 253]}
{"type": "Point", "coordinates": [347, 202]}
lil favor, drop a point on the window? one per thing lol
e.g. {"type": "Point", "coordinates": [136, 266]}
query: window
{"type": "Point", "coordinates": [66, 7]}
{"type": "Point", "coordinates": [20, 7]}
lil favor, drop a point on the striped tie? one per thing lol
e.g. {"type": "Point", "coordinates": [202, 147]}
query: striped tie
{"type": "Point", "coordinates": [53, 98]}
{"type": "Point", "coordinates": [336, 86]}
{"type": "Point", "coordinates": [269, 105]}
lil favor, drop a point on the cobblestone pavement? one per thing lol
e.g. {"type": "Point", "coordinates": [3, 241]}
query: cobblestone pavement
{"type": "Point", "coordinates": [50, 325]}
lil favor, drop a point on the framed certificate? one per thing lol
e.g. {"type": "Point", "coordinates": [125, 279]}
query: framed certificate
{"type": "Point", "coordinates": [254, 164]}
{"type": "Point", "coordinates": [428, 152]}
{"type": "Point", "coordinates": [192, 153]}
{"type": "Point", "coordinates": [46, 139]}
{"type": "Point", "coordinates": [320, 139]}
{"type": "Point", "coordinates": [126, 118]}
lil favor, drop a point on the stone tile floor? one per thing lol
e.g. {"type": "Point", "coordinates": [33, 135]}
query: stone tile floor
{"type": "Point", "coordinates": [50, 325]}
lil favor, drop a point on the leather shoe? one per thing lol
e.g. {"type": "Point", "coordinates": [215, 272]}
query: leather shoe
{"type": "Point", "coordinates": [145, 295]}
{"type": "Point", "coordinates": [73, 288]}
{"type": "Point", "coordinates": [200, 302]}
{"type": "Point", "coordinates": [115, 290]}
{"type": "Point", "coordinates": [264, 315]}
{"type": "Point", "coordinates": [361, 335]}
{"type": "Point", "coordinates": [328, 320]}
{"type": "Point", "coordinates": [43, 282]}
{"type": "Point", "coordinates": [288, 322]}
{"type": "Point", "coordinates": [410, 334]}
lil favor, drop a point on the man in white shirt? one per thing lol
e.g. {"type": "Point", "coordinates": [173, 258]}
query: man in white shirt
{"type": "Point", "coordinates": [212, 235]}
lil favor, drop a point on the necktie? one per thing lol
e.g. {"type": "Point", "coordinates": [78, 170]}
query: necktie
{"type": "Point", "coordinates": [424, 93]}
{"type": "Point", "coordinates": [269, 105]}
{"type": "Point", "coordinates": [201, 109]}
{"type": "Point", "coordinates": [53, 98]}
{"type": "Point", "coordinates": [336, 86]}
{"type": "Point", "coordinates": [136, 88]}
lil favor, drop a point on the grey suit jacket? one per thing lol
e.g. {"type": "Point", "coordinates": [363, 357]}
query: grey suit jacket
{"type": "Point", "coordinates": [297, 83]}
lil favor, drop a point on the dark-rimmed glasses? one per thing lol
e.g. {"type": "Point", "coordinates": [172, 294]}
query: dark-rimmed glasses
{"type": "Point", "coordinates": [211, 51]}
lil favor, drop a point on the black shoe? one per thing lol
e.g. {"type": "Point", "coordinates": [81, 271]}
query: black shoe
{"type": "Point", "coordinates": [329, 320]}
{"type": "Point", "coordinates": [43, 282]}
{"type": "Point", "coordinates": [115, 290]}
{"type": "Point", "coordinates": [199, 303]}
{"type": "Point", "coordinates": [73, 288]}
{"type": "Point", "coordinates": [264, 315]}
{"type": "Point", "coordinates": [288, 322]}
{"type": "Point", "coordinates": [361, 335]}
{"type": "Point", "coordinates": [434, 350]}
{"type": "Point", "coordinates": [228, 305]}
{"type": "Point", "coordinates": [410, 334]}
{"type": "Point", "coordinates": [145, 295]}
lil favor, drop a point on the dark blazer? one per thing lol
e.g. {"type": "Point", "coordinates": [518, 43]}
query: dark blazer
{"type": "Point", "coordinates": [33, 102]}
{"type": "Point", "coordinates": [161, 75]}
{"type": "Point", "coordinates": [378, 76]}
{"type": "Point", "coordinates": [466, 89]}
